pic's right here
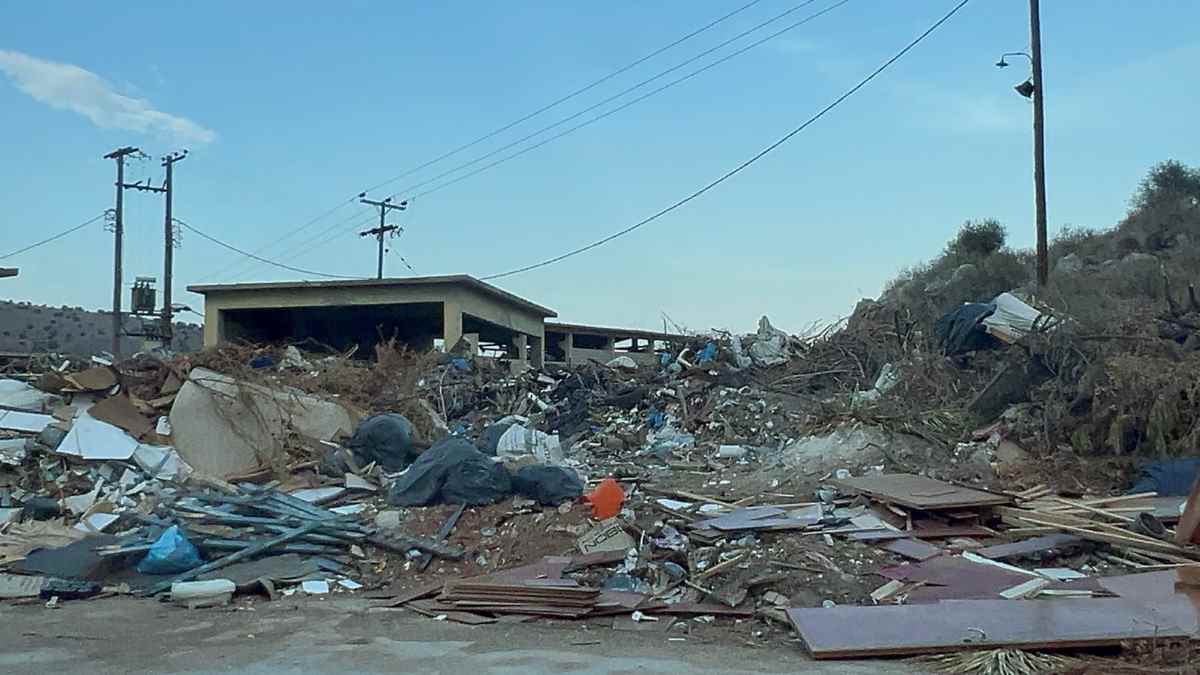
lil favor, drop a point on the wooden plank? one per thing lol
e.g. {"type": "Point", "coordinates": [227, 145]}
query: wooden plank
{"type": "Point", "coordinates": [1111, 538]}
{"type": "Point", "coordinates": [919, 492]}
{"type": "Point", "coordinates": [896, 630]}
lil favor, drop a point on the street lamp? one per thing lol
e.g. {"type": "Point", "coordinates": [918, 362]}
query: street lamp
{"type": "Point", "coordinates": [1025, 88]}
{"type": "Point", "coordinates": [1032, 89]}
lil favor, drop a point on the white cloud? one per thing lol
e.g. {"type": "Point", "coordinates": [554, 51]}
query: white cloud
{"type": "Point", "coordinates": [69, 87]}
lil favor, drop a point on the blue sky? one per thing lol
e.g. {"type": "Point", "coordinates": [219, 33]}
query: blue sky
{"type": "Point", "coordinates": [289, 109]}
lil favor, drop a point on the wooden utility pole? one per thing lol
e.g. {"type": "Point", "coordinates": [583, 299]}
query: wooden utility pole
{"type": "Point", "coordinates": [379, 232]}
{"type": "Point", "coordinates": [169, 248]}
{"type": "Point", "coordinates": [119, 156]}
{"type": "Point", "coordinates": [1039, 144]}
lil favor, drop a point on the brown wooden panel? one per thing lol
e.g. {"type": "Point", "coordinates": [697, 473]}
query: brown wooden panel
{"type": "Point", "coordinates": [892, 630]}
{"type": "Point", "coordinates": [919, 492]}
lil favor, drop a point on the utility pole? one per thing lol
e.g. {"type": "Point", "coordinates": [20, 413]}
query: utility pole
{"type": "Point", "coordinates": [1039, 143]}
{"type": "Point", "coordinates": [119, 156]}
{"type": "Point", "coordinates": [169, 248]}
{"type": "Point", "coordinates": [378, 232]}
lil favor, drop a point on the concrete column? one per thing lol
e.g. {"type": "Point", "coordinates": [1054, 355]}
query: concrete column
{"type": "Point", "coordinates": [452, 324]}
{"type": "Point", "coordinates": [568, 347]}
{"type": "Point", "coordinates": [537, 351]}
{"type": "Point", "coordinates": [520, 343]}
{"type": "Point", "coordinates": [212, 325]}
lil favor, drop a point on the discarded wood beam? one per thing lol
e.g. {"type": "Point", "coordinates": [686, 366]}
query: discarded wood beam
{"type": "Point", "coordinates": [446, 529]}
{"type": "Point", "coordinates": [1133, 541]}
{"type": "Point", "coordinates": [403, 543]}
{"type": "Point", "coordinates": [243, 554]}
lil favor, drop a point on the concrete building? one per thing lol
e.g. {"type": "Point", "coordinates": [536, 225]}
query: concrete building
{"type": "Point", "coordinates": [572, 343]}
{"type": "Point", "coordinates": [341, 314]}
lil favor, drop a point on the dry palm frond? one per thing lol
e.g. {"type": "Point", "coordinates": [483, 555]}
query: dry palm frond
{"type": "Point", "coordinates": [997, 662]}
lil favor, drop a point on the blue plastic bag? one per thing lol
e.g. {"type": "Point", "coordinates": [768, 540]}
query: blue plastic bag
{"type": "Point", "coordinates": [172, 553]}
{"type": "Point", "coordinates": [709, 353]}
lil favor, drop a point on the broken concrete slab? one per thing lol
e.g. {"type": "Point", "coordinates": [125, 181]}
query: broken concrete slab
{"type": "Point", "coordinates": [223, 427]}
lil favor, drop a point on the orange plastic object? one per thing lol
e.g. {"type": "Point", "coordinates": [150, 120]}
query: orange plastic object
{"type": "Point", "coordinates": [607, 499]}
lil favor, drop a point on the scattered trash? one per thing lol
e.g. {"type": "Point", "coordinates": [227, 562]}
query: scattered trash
{"type": "Point", "coordinates": [453, 471]}
{"type": "Point", "coordinates": [386, 439]}
{"type": "Point", "coordinates": [171, 553]}
{"type": "Point", "coordinates": [195, 594]}
{"type": "Point", "coordinates": [606, 499]}
{"type": "Point", "coordinates": [547, 485]}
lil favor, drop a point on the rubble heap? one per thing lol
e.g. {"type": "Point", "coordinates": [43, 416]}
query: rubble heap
{"type": "Point", "coordinates": [842, 487]}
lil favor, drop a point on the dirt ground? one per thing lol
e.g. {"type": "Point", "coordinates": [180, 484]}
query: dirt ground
{"type": "Point", "coordinates": [340, 635]}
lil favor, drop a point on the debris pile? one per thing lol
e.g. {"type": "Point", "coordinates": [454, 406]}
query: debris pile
{"type": "Point", "coordinates": [837, 487]}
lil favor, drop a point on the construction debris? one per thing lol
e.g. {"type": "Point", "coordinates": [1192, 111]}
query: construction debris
{"type": "Point", "coordinates": [738, 481]}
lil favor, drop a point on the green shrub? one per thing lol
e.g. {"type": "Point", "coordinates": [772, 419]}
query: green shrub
{"type": "Point", "coordinates": [978, 239]}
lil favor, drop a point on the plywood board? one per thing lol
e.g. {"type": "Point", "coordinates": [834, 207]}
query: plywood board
{"type": "Point", "coordinates": [919, 492]}
{"type": "Point", "coordinates": [895, 630]}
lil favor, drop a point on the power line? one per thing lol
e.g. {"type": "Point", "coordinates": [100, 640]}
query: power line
{"type": "Point", "coordinates": [564, 99]}
{"type": "Point", "coordinates": [501, 129]}
{"type": "Point", "coordinates": [610, 99]}
{"type": "Point", "coordinates": [261, 259]}
{"type": "Point", "coordinates": [739, 168]}
{"type": "Point", "coordinates": [56, 237]}
{"type": "Point", "coordinates": [293, 233]}
{"type": "Point", "coordinates": [623, 92]}
{"type": "Point", "coordinates": [653, 92]}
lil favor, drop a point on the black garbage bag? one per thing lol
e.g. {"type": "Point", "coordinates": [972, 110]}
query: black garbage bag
{"type": "Point", "coordinates": [453, 471]}
{"type": "Point", "coordinates": [490, 438]}
{"type": "Point", "coordinates": [387, 439]}
{"type": "Point", "coordinates": [961, 331]}
{"type": "Point", "coordinates": [548, 485]}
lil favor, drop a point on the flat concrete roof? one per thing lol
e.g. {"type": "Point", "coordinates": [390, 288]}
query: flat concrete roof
{"type": "Point", "coordinates": [613, 332]}
{"type": "Point", "coordinates": [449, 280]}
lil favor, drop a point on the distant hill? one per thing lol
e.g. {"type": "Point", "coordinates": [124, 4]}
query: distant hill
{"type": "Point", "coordinates": [25, 327]}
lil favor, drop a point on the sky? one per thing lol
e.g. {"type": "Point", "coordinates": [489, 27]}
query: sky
{"type": "Point", "coordinates": [290, 110]}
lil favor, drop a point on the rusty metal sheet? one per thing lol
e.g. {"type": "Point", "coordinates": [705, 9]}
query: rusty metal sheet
{"type": "Point", "coordinates": [1046, 544]}
{"type": "Point", "coordinates": [919, 492]}
{"type": "Point", "coordinates": [894, 630]}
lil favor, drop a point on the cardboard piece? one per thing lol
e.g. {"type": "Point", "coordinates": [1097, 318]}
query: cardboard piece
{"type": "Point", "coordinates": [100, 378]}
{"type": "Point", "coordinates": [609, 535]}
{"type": "Point", "coordinates": [120, 412]}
